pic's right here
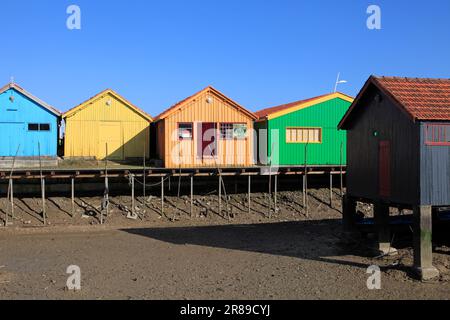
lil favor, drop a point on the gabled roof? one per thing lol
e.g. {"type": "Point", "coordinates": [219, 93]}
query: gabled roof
{"type": "Point", "coordinates": [278, 111]}
{"type": "Point", "coordinates": [31, 97]}
{"type": "Point", "coordinates": [186, 101]}
{"type": "Point", "coordinates": [100, 95]}
{"type": "Point", "coordinates": [421, 99]}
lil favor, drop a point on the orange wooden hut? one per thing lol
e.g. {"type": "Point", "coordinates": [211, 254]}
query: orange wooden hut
{"type": "Point", "coordinates": [207, 129]}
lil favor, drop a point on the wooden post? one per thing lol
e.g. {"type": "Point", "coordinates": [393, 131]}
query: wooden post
{"type": "Point", "coordinates": [44, 214]}
{"type": "Point", "coordinates": [11, 186]}
{"type": "Point", "coordinates": [73, 196]}
{"type": "Point", "coordinates": [162, 195]}
{"type": "Point", "coordinates": [10, 191]}
{"type": "Point", "coordinates": [270, 193]}
{"type": "Point", "coordinates": [305, 182]}
{"type": "Point", "coordinates": [381, 217]}
{"type": "Point", "coordinates": [133, 205]}
{"type": "Point", "coordinates": [331, 189]}
{"type": "Point", "coordinates": [276, 193]}
{"type": "Point", "coordinates": [348, 213]}
{"type": "Point", "coordinates": [192, 195]}
{"type": "Point", "coordinates": [220, 193]}
{"type": "Point", "coordinates": [249, 194]}
{"type": "Point", "coordinates": [342, 170]}
{"type": "Point", "coordinates": [423, 247]}
{"type": "Point", "coordinates": [144, 173]}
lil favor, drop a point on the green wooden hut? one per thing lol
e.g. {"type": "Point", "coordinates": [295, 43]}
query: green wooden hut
{"type": "Point", "coordinates": [306, 128]}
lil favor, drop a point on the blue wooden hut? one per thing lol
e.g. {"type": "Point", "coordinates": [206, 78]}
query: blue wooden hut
{"type": "Point", "coordinates": [28, 126]}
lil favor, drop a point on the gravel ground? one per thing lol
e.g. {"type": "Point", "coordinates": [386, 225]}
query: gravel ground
{"type": "Point", "coordinates": [234, 255]}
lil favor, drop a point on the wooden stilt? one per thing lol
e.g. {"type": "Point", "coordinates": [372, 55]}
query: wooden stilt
{"type": "Point", "coordinates": [331, 189]}
{"type": "Point", "coordinates": [44, 214]}
{"type": "Point", "coordinates": [220, 194]}
{"type": "Point", "coordinates": [342, 170]}
{"type": "Point", "coordinates": [270, 193]}
{"type": "Point", "coordinates": [11, 186]}
{"type": "Point", "coordinates": [276, 194]}
{"type": "Point", "coordinates": [249, 194]}
{"type": "Point", "coordinates": [133, 204]}
{"type": "Point", "coordinates": [73, 196]}
{"type": "Point", "coordinates": [144, 174]}
{"type": "Point", "coordinates": [162, 195]}
{"type": "Point", "coordinates": [305, 181]}
{"type": "Point", "coordinates": [192, 196]}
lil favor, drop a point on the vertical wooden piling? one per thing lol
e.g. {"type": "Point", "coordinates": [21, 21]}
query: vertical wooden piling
{"type": "Point", "coordinates": [73, 196]}
{"type": "Point", "coordinates": [342, 170]}
{"type": "Point", "coordinates": [249, 194]}
{"type": "Point", "coordinates": [276, 193]}
{"type": "Point", "coordinates": [11, 186]}
{"type": "Point", "coordinates": [192, 196]}
{"type": "Point", "coordinates": [331, 189]}
{"type": "Point", "coordinates": [220, 193]}
{"type": "Point", "coordinates": [144, 174]}
{"type": "Point", "coordinates": [44, 213]}
{"type": "Point", "coordinates": [162, 195]}
{"type": "Point", "coordinates": [133, 204]}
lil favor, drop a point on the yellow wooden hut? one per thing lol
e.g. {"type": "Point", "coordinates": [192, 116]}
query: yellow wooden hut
{"type": "Point", "coordinates": [207, 129]}
{"type": "Point", "coordinates": [106, 125]}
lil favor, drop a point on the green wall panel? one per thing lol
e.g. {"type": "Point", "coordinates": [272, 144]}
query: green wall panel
{"type": "Point", "coordinates": [325, 115]}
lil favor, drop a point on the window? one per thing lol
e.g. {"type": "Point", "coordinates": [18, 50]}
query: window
{"type": "Point", "coordinates": [33, 127]}
{"type": "Point", "coordinates": [185, 131]}
{"type": "Point", "coordinates": [304, 135]}
{"type": "Point", "coordinates": [38, 127]}
{"type": "Point", "coordinates": [226, 131]}
{"type": "Point", "coordinates": [437, 134]}
{"type": "Point", "coordinates": [44, 127]}
{"type": "Point", "coordinates": [230, 131]}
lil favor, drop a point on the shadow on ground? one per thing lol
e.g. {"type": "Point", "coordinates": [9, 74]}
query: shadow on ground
{"type": "Point", "coordinates": [313, 240]}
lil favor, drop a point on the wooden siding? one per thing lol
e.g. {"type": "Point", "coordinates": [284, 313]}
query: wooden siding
{"type": "Point", "coordinates": [232, 153]}
{"type": "Point", "coordinates": [434, 172]}
{"type": "Point", "coordinates": [375, 122]}
{"type": "Point", "coordinates": [88, 130]}
{"type": "Point", "coordinates": [326, 116]}
{"type": "Point", "coordinates": [15, 116]}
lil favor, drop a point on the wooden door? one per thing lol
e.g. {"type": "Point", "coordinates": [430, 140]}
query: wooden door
{"type": "Point", "coordinates": [209, 140]}
{"type": "Point", "coordinates": [385, 168]}
{"type": "Point", "coordinates": [111, 135]}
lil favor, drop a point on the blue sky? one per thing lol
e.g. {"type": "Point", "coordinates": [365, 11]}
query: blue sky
{"type": "Point", "coordinates": [259, 52]}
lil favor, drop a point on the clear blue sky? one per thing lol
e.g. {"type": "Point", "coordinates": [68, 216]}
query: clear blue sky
{"type": "Point", "coordinates": [259, 52]}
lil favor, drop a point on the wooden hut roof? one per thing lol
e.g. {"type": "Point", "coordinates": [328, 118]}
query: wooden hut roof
{"type": "Point", "coordinates": [101, 94]}
{"type": "Point", "coordinates": [31, 97]}
{"type": "Point", "coordinates": [186, 101]}
{"type": "Point", "coordinates": [421, 99]}
{"type": "Point", "coordinates": [281, 110]}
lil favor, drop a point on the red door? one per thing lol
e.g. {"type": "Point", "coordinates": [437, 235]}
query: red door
{"type": "Point", "coordinates": [385, 168]}
{"type": "Point", "coordinates": [209, 140]}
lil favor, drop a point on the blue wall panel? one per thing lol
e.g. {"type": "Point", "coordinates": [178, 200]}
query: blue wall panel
{"type": "Point", "coordinates": [15, 116]}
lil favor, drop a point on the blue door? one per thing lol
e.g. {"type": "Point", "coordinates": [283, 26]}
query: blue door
{"type": "Point", "coordinates": [13, 138]}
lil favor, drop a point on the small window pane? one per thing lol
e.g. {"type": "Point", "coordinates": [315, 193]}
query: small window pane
{"type": "Point", "coordinates": [226, 131]}
{"type": "Point", "coordinates": [185, 131]}
{"type": "Point", "coordinates": [438, 134]}
{"type": "Point", "coordinates": [33, 127]}
{"type": "Point", "coordinates": [304, 135]}
{"type": "Point", "coordinates": [239, 131]}
{"type": "Point", "coordinates": [44, 127]}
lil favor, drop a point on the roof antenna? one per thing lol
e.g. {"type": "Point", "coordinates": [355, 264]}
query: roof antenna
{"type": "Point", "coordinates": [11, 80]}
{"type": "Point", "coordinates": [338, 82]}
